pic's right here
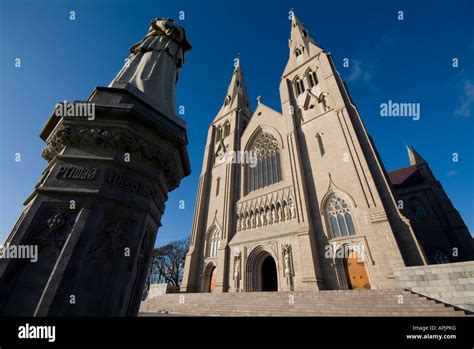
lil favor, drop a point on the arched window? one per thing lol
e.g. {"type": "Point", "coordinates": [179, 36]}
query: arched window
{"type": "Point", "coordinates": [218, 182]}
{"type": "Point", "coordinates": [298, 52]}
{"type": "Point", "coordinates": [227, 100]}
{"type": "Point", "coordinates": [213, 242]}
{"type": "Point", "coordinates": [299, 86]}
{"type": "Point", "coordinates": [265, 167]}
{"type": "Point", "coordinates": [312, 78]}
{"type": "Point", "coordinates": [218, 134]}
{"type": "Point", "coordinates": [418, 208]}
{"type": "Point", "coordinates": [319, 137]}
{"type": "Point", "coordinates": [439, 257]}
{"type": "Point", "coordinates": [339, 217]}
{"type": "Point", "coordinates": [226, 129]}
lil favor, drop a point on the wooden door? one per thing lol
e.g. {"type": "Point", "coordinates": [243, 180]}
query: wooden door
{"type": "Point", "coordinates": [212, 282]}
{"type": "Point", "coordinates": [356, 273]}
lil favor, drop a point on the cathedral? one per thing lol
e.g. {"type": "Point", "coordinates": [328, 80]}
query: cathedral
{"type": "Point", "coordinates": [304, 201]}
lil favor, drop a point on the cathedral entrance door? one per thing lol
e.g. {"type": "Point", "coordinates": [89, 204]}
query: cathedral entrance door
{"type": "Point", "coordinates": [357, 277]}
{"type": "Point", "coordinates": [212, 280]}
{"type": "Point", "coordinates": [269, 275]}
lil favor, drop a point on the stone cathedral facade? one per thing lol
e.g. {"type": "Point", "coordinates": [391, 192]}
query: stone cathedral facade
{"type": "Point", "coordinates": [313, 208]}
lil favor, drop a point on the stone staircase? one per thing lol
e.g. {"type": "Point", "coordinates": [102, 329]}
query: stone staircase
{"type": "Point", "coordinates": [322, 303]}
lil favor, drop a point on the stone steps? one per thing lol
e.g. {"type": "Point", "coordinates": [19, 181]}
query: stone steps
{"type": "Point", "coordinates": [310, 303]}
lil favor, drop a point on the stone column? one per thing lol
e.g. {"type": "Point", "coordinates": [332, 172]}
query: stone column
{"type": "Point", "coordinates": [95, 213]}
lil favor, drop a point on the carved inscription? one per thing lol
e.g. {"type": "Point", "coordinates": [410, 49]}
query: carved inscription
{"type": "Point", "coordinates": [129, 183]}
{"type": "Point", "coordinates": [76, 172]}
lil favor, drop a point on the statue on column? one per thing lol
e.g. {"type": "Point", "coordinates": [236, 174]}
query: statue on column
{"type": "Point", "coordinates": [288, 270]}
{"type": "Point", "coordinates": [154, 62]}
{"type": "Point", "coordinates": [269, 216]}
{"type": "Point", "coordinates": [84, 243]}
{"type": "Point", "coordinates": [237, 262]}
{"type": "Point", "coordinates": [291, 204]}
{"type": "Point", "coordinates": [262, 217]}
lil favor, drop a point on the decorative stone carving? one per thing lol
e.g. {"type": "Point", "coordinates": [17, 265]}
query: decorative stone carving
{"type": "Point", "coordinates": [53, 229]}
{"type": "Point", "coordinates": [265, 144]}
{"type": "Point", "coordinates": [288, 270]}
{"type": "Point", "coordinates": [323, 99]}
{"type": "Point", "coordinates": [263, 218]}
{"type": "Point", "coordinates": [237, 269]}
{"type": "Point", "coordinates": [292, 209]}
{"type": "Point", "coordinates": [111, 239]}
{"type": "Point", "coordinates": [112, 138]}
{"type": "Point", "coordinates": [262, 213]}
{"type": "Point", "coordinates": [56, 222]}
{"type": "Point", "coordinates": [269, 216]}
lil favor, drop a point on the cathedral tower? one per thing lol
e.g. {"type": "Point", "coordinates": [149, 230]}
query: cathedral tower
{"type": "Point", "coordinates": [438, 226]}
{"type": "Point", "coordinates": [313, 209]}
{"type": "Point", "coordinates": [213, 217]}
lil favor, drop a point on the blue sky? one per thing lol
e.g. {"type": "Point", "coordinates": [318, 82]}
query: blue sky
{"type": "Point", "coordinates": [402, 61]}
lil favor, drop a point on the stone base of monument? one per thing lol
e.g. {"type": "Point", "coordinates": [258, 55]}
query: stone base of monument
{"type": "Point", "coordinates": [95, 213]}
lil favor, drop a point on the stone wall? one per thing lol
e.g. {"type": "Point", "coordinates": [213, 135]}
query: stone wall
{"type": "Point", "coordinates": [160, 289]}
{"type": "Point", "coordinates": [450, 283]}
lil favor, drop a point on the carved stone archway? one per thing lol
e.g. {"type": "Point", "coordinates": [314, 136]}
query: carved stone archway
{"type": "Point", "coordinates": [209, 272]}
{"type": "Point", "coordinates": [255, 267]}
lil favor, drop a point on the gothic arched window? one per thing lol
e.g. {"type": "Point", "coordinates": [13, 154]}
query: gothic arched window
{"type": "Point", "coordinates": [218, 134]}
{"type": "Point", "coordinates": [418, 208]}
{"type": "Point", "coordinates": [299, 86]}
{"type": "Point", "coordinates": [226, 129]}
{"type": "Point", "coordinates": [339, 217]}
{"type": "Point", "coordinates": [319, 137]}
{"type": "Point", "coordinates": [264, 168]}
{"type": "Point", "coordinates": [312, 78]}
{"type": "Point", "coordinates": [218, 182]}
{"type": "Point", "coordinates": [213, 242]}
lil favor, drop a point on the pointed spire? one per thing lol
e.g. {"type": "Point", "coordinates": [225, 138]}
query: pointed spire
{"type": "Point", "coordinates": [415, 158]}
{"type": "Point", "coordinates": [237, 63]}
{"type": "Point", "coordinates": [299, 35]}
{"type": "Point", "coordinates": [301, 44]}
{"type": "Point", "coordinates": [236, 96]}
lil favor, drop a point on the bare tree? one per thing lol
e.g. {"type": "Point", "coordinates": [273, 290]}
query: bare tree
{"type": "Point", "coordinates": [167, 263]}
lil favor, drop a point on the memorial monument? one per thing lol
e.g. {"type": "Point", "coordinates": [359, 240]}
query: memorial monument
{"type": "Point", "coordinates": [96, 210]}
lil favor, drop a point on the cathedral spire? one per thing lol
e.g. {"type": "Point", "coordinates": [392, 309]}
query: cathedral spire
{"type": "Point", "coordinates": [300, 37]}
{"type": "Point", "coordinates": [301, 44]}
{"type": "Point", "coordinates": [236, 97]}
{"type": "Point", "coordinates": [299, 34]}
{"type": "Point", "coordinates": [415, 158]}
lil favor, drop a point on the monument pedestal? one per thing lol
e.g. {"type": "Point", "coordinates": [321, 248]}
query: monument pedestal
{"type": "Point", "coordinates": [96, 211]}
